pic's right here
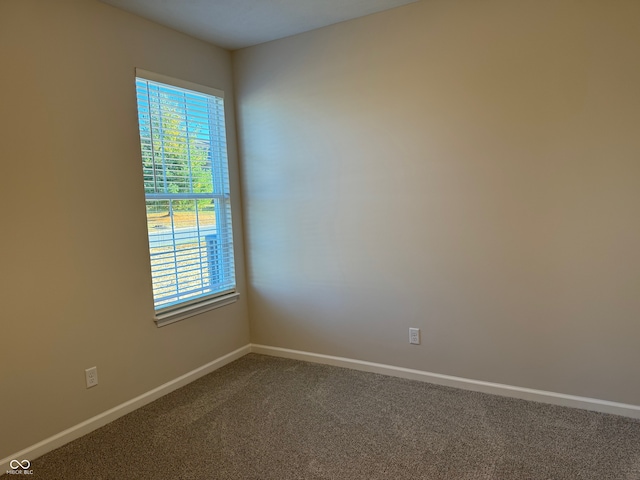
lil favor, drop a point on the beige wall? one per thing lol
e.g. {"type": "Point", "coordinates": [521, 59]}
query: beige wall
{"type": "Point", "coordinates": [469, 168]}
{"type": "Point", "coordinates": [75, 283]}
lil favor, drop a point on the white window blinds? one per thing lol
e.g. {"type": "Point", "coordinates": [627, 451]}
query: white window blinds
{"type": "Point", "coordinates": [186, 183]}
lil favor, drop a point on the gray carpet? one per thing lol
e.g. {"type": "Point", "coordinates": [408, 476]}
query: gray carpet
{"type": "Point", "coordinates": [270, 418]}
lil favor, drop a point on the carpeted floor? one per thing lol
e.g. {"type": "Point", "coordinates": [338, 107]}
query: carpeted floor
{"type": "Point", "coordinates": [271, 418]}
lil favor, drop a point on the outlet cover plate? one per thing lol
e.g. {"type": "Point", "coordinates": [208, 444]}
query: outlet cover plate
{"type": "Point", "coordinates": [91, 375]}
{"type": "Point", "coordinates": [414, 336]}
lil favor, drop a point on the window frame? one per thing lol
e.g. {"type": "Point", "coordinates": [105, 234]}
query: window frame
{"type": "Point", "coordinates": [165, 315]}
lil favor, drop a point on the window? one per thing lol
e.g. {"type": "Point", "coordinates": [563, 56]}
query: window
{"type": "Point", "coordinates": [186, 184]}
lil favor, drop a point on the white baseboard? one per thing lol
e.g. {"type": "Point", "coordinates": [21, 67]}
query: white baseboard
{"type": "Point", "coordinates": [562, 399]}
{"type": "Point", "coordinates": [114, 413]}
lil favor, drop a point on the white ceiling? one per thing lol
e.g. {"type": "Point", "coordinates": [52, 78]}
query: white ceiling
{"type": "Point", "coordinates": [236, 24]}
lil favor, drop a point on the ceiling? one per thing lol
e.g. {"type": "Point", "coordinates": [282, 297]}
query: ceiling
{"type": "Point", "coordinates": [234, 24]}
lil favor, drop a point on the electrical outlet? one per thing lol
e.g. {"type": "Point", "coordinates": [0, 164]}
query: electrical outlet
{"type": "Point", "coordinates": [91, 375]}
{"type": "Point", "coordinates": [414, 336]}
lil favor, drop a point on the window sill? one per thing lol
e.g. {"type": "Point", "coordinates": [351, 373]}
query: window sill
{"type": "Point", "coordinates": [190, 310]}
